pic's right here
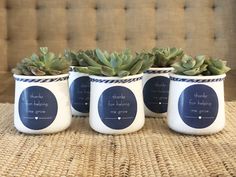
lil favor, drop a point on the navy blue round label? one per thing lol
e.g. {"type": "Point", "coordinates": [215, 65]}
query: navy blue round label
{"type": "Point", "coordinates": [155, 94]}
{"type": "Point", "coordinates": [80, 94]}
{"type": "Point", "coordinates": [37, 107]}
{"type": "Point", "coordinates": [198, 106]}
{"type": "Point", "coordinates": [117, 107]}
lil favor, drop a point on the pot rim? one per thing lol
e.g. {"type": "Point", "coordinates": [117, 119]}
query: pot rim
{"type": "Point", "coordinates": [40, 77]}
{"type": "Point", "coordinates": [197, 77]}
{"type": "Point", "coordinates": [160, 68]}
{"type": "Point", "coordinates": [116, 78]}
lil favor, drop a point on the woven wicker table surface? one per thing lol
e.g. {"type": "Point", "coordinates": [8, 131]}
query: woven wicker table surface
{"type": "Point", "coordinates": [153, 151]}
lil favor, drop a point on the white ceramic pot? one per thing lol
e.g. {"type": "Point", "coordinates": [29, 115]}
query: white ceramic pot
{"type": "Point", "coordinates": [79, 84]}
{"type": "Point", "coordinates": [116, 104]}
{"type": "Point", "coordinates": [196, 104]}
{"type": "Point", "coordinates": [155, 91]}
{"type": "Point", "coordinates": [42, 104]}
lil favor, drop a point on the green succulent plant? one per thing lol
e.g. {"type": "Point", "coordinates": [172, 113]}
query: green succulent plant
{"type": "Point", "coordinates": [165, 57]}
{"type": "Point", "coordinates": [190, 66]}
{"type": "Point", "coordinates": [200, 65]}
{"type": "Point", "coordinates": [216, 67]}
{"type": "Point", "coordinates": [113, 64]}
{"type": "Point", "coordinates": [46, 63]}
{"type": "Point", "coordinates": [77, 58]}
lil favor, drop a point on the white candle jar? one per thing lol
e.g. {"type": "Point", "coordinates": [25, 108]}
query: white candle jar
{"type": "Point", "coordinates": [79, 85]}
{"type": "Point", "coordinates": [116, 104]}
{"type": "Point", "coordinates": [42, 104]}
{"type": "Point", "coordinates": [196, 104]}
{"type": "Point", "coordinates": [156, 90]}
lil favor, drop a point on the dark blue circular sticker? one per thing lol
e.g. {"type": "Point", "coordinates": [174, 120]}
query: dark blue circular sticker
{"type": "Point", "coordinates": [117, 107]}
{"type": "Point", "coordinates": [80, 94]}
{"type": "Point", "coordinates": [37, 107]}
{"type": "Point", "coordinates": [198, 106]}
{"type": "Point", "coordinates": [155, 94]}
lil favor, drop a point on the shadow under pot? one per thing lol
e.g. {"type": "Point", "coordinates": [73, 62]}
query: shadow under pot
{"type": "Point", "coordinates": [156, 90]}
{"type": "Point", "coordinates": [116, 104]}
{"type": "Point", "coordinates": [42, 104]}
{"type": "Point", "coordinates": [79, 84]}
{"type": "Point", "coordinates": [196, 104]}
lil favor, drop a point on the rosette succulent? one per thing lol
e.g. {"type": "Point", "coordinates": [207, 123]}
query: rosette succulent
{"type": "Point", "coordinates": [113, 64]}
{"type": "Point", "coordinates": [165, 57]}
{"type": "Point", "coordinates": [200, 65]}
{"type": "Point", "coordinates": [216, 67]}
{"type": "Point", "coordinates": [190, 66]}
{"type": "Point", "coordinates": [46, 63]}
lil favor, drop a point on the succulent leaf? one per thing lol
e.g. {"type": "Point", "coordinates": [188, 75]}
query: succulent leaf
{"type": "Point", "coordinates": [83, 70]}
{"type": "Point", "coordinates": [178, 67]}
{"type": "Point", "coordinates": [123, 73]}
{"type": "Point", "coordinates": [106, 54]}
{"type": "Point", "coordinates": [71, 56]}
{"type": "Point", "coordinates": [95, 70]}
{"type": "Point", "coordinates": [198, 70]}
{"type": "Point", "coordinates": [115, 62]}
{"type": "Point", "coordinates": [34, 57]}
{"type": "Point", "coordinates": [107, 71]}
{"type": "Point", "coordinates": [129, 65]}
{"type": "Point", "coordinates": [89, 60]}
{"type": "Point", "coordinates": [81, 62]}
{"type": "Point", "coordinates": [135, 69]}
{"type": "Point", "coordinates": [102, 57]}
{"type": "Point", "coordinates": [216, 66]}
{"type": "Point", "coordinates": [149, 62]}
{"type": "Point", "coordinates": [36, 71]}
{"type": "Point", "coordinates": [200, 60]}
{"type": "Point", "coordinates": [43, 50]}
{"type": "Point", "coordinates": [214, 70]}
{"type": "Point", "coordinates": [188, 62]}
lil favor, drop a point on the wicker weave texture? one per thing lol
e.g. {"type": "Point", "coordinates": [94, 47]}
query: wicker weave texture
{"type": "Point", "coordinates": [153, 151]}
